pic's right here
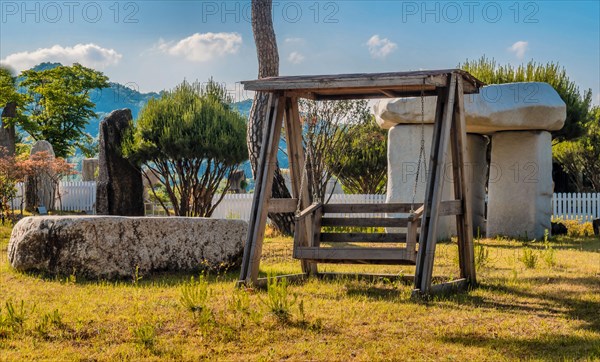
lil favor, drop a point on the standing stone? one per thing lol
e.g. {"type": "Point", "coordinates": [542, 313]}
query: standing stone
{"type": "Point", "coordinates": [236, 180]}
{"type": "Point", "coordinates": [42, 192]}
{"type": "Point", "coordinates": [88, 169]}
{"type": "Point", "coordinates": [120, 190]}
{"type": "Point", "coordinates": [520, 184]}
{"type": "Point", "coordinates": [7, 132]}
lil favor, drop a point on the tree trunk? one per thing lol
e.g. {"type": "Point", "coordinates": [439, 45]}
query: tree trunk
{"type": "Point", "coordinates": [268, 66]}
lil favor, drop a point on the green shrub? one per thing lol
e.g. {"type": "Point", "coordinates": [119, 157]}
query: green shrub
{"type": "Point", "coordinates": [194, 298]}
{"type": "Point", "coordinates": [482, 255]}
{"type": "Point", "coordinates": [529, 258]}
{"type": "Point", "coordinates": [145, 335]}
{"type": "Point", "coordinates": [279, 301]}
{"type": "Point", "coordinates": [48, 321]}
{"type": "Point", "coordinates": [548, 254]}
{"type": "Point", "coordinates": [577, 229]}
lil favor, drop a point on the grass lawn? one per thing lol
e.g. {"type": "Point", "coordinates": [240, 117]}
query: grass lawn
{"type": "Point", "coordinates": [547, 311]}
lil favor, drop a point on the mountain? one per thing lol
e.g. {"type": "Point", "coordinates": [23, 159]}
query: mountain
{"type": "Point", "coordinates": [243, 107]}
{"type": "Point", "coordinates": [119, 96]}
{"type": "Point", "coordinates": [116, 96]}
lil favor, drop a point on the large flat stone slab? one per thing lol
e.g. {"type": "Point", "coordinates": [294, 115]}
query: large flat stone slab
{"type": "Point", "coordinates": [500, 107]}
{"type": "Point", "coordinates": [113, 246]}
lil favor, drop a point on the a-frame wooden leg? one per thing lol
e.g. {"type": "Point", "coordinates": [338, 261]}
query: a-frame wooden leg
{"type": "Point", "coordinates": [262, 191]}
{"type": "Point", "coordinates": [461, 189]}
{"type": "Point", "coordinates": [433, 192]}
{"type": "Point", "coordinates": [295, 151]}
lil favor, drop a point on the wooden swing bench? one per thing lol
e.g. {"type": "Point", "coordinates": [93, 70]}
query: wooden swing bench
{"type": "Point", "coordinates": [315, 221]}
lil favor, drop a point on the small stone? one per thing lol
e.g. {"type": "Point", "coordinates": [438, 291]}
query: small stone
{"type": "Point", "coordinates": [88, 169]}
{"type": "Point", "coordinates": [42, 192]}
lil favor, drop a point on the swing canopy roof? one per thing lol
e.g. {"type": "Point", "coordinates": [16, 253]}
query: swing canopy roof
{"type": "Point", "coordinates": [364, 85]}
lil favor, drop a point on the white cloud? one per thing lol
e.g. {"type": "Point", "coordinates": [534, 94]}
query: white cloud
{"type": "Point", "coordinates": [380, 48]}
{"type": "Point", "coordinates": [90, 55]}
{"type": "Point", "coordinates": [202, 47]}
{"type": "Point", "coordinates": [294, 40]}
{"type": "Point", "coordinates": [519, 48]}
{"type": "Point", "coordinates": [295, 58]}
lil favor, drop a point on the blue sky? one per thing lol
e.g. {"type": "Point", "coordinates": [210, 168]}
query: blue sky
{"type": "Point", "coordinates": [153, 45]}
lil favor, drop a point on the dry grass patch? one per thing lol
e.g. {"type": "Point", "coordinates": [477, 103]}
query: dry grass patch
{"type": "Point", "coordinates": [548, 312]}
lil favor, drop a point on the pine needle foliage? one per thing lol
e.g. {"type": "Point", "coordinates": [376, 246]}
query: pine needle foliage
{"type": "Point", "coordinates": [578, 105]}
{"type": "Point", "coordinates": [190, 140]}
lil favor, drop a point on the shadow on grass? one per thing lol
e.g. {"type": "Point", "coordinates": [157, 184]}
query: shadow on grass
{"type": "Point", "coordinates": [559, 243]}
{"type": "Point", "coordinates": [571, 305]}
{"type": "Point", "coordinates": [548, 347]}
{"type": "Point", "coordinates": [375, 292]}
{"type": "Point", "coordinates": [158, 278]}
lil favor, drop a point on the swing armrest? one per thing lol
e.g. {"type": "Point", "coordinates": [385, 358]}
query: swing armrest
{"type": "Point", "coordinates": [416, 215]}
{"type": "Point", "coordinates": [309, 210]}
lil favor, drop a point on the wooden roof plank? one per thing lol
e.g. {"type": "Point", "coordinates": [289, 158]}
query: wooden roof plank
{"type": "Point", "coordinates": [362, 84]}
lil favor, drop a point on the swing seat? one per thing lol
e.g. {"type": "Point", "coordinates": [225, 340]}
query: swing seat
{"type": "Point", "coordinates": [324, 219]}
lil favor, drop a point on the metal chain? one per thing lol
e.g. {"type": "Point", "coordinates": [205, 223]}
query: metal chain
{"type": "Point", "coordinates": [422, 157]}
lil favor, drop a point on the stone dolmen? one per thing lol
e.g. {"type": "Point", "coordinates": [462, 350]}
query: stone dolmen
{"type": "Point", "coordinates": [517, 119]}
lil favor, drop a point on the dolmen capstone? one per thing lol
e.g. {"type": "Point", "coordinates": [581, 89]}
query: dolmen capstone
{"type": "Point", "coordinates": [113, 247]}
{"type": "Point", "coordinates": [517, 119]}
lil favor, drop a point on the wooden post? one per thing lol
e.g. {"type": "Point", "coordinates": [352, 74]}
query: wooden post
{"type": "Point", "coordinates": [297, 161]}
{"type": "Point", "coordinates": [262, 191]}
{"type": "Point", "coordinates": [435, 182]}
{"type": "Point", "coordinates": [461, 189]}
{"type": "Point", "coordinates": [411, 237]}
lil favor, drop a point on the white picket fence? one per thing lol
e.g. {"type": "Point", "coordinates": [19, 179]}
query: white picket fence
{"type": "Point", "coordinates": [71, 196]}
{"type": "Point", "coordinates": [575, 206]}
{"type": "Point", "coordinates": [238, 206]}
{"type": "Point", "coordinates": [81, 196]}
{"type": "Point", "coordinates": [77, 196]}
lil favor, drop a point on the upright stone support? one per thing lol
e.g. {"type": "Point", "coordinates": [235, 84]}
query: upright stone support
{"type": "Point", "coordinates": [404, 145]}
{"type": "Point", "coordinates": [520, 184]}
{"type": "Point", "coordinates": [120, 190]}
{"type": "Point", "coordinates": [477, 168]}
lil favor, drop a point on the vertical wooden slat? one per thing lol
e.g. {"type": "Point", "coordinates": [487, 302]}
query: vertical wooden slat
{"type": "Point", "coordinates": [262, 192]}
{"type": "Point", "coordinates": [461, 188]}
{"type": "Point", "coordinates": [316, 228]}
{"type": "Point", "coordinates": [434, 189]}
{"type": "Point", "coordinates": [423, 237]}
{"type": "Point", "coordinates": [411, 235]}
